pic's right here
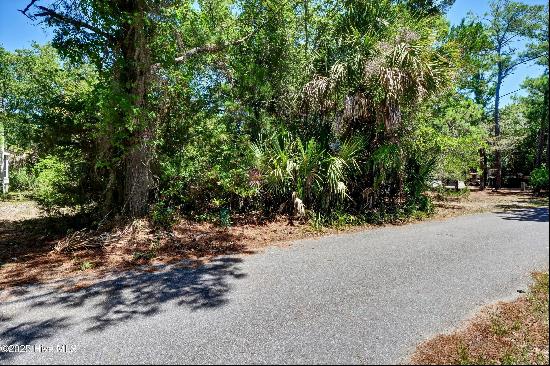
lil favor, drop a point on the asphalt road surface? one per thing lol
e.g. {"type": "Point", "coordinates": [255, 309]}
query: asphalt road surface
{"type": "Point", "coordinates": [366, 297]}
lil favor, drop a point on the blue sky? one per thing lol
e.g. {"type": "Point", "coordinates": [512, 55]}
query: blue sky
{"type": "Point", "coordinates": [17, 31]}
{"type": "Point", "coordinates": [512, 83]}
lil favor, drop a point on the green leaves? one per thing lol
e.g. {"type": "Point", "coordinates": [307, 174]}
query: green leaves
{"type": "Point", "coordinates": [238, 105]}
{"type": "Point", "coordinates": [320, 178]}
{"type": "Point", "coordinates": [539, 178]}
{"type": "Point", "coordinates": [450, 132]}
{"type": "Point", "coordinates": [49, 105]}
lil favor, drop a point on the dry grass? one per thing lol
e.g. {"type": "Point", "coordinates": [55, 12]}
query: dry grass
{"type": "Point", "coordinates": [41, 249]}
{"type": "Point", "coordinates": [503, 334]}
{"type": "Point", "coordinates": [36, 248]}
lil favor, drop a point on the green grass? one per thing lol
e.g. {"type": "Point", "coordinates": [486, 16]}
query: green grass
{"type": "Point", "coordinates": [445, 194]}
{"type": "Point", "coordinates": [86, 265]}
{"type": "Point", "coordinates": [14, 197]}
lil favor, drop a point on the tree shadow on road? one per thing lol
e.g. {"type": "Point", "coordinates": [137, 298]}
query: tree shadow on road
{"type": "Point", "coordinates": [29, 333]}
{"type": "Point", "coordinates": [538, 214]}
{"type": "Point", "coordinates": [123, 298]}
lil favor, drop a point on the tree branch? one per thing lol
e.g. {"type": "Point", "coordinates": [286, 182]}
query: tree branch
{"type": "Point", "coordinates": [506, 41]}
{"type": "Point", "coordinates": [511, 67]}
{"type": "Point", "coordinates": [29, 5]}
{"type": "Point", "coordinates": [46, 12]}
{"type": "Point", "coordinates": [210, 48]}
{"type": "Point", "coordinates": [508, 24]}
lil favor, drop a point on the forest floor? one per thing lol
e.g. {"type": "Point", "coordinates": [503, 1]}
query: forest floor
{"type": "Point", "coordinates": [505, 333]}
{"type": "Point", "coordinates": [35, 248]}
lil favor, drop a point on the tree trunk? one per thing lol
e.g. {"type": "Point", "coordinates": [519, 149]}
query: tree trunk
{"type": "Point", "coordinates": [138, 178]}
{"type": "Point", "coordinates": [496, 115]}
{"type": "Point", "coordinates": [306, 30]}
{"type": "Point", "coordinates": [542, 131]}
{"type": "Point", "coordinates": [498, 165]}
{"type": "Point", "coordinates": [131, 180]}
{"type": "Point", "coordinates": [547, 134]}
{"type": "Point", "coordinates": [483, 163]}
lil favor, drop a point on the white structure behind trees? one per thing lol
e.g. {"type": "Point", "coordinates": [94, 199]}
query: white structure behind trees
{"type": "Point", "coordinates": [4, 169]}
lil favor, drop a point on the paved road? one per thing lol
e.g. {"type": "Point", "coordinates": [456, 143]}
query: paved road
{"type": "Point", "coordinates": [357, 298]}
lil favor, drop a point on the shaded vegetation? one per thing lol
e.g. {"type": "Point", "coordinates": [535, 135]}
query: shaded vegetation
{"type": "Point", "coordinates": [328, 111]}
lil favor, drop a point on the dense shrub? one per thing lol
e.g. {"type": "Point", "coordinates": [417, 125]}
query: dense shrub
{"type": "Point", "coordinates": [539, 178]}
{"type": "Point", "coordinates": [57, 183]}
{"type": "Point", "coordinates": [319, 175]}
{"type": "Point", "coordinates": [22, 179]}
{"type": "Point", "coordinates": [211, 169]}
{"type": "Point", "coordinates": [163, 215]}
{"type": "Point", "coordinates": [354, 121]}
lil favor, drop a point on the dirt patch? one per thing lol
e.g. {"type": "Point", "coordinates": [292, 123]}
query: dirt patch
{"type": "Point", "coordinates": [42, 249]}
{"type": "Point", "coordinates": [19, 210]}
{"type": "Point", "coordinates": [37, 248]}
{"type": "Point", "coordinates": [486, 201]}
{"type": "Point", "coordinates": [505, 333]}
